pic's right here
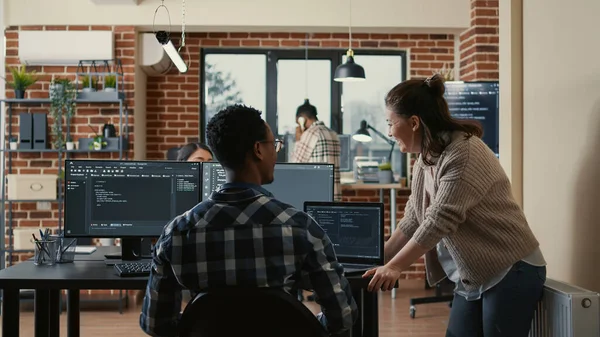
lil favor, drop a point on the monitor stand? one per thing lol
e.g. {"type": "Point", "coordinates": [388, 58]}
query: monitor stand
{"type": "Point", "coordinates": [131, 250]}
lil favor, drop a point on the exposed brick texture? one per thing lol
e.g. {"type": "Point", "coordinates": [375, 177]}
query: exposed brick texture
{"type": "Point", "coordinates": [479, 44]}
{"type": "Point", "coordinates": [173, 99]}
{"type": "Point", "coordinates": [26, 213]}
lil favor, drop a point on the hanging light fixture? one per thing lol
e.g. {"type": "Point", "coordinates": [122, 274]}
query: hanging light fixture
{"type": "Point", "coordinates": [164, 38]}
{"type": "Point", "coordinates": [349, 71]}
{"type": "Point", "coordinates": [306, 105]}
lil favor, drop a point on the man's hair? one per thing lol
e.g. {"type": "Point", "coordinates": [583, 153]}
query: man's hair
{"type": "Point", "coordinates": [307, 110]}
{"type": "Point", "coordinates": [232, 133]}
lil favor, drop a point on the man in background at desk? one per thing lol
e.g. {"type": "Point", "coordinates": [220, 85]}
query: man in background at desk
{"type": "Point", "coordinates": [316, 143]}
{"type": "Point", "coordinates": [214, 244]}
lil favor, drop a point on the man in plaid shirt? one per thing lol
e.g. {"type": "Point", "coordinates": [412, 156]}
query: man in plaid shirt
{"type": "Point", "coordinates": [316, 143]}
{"type": "Point", "coordinates": [243, 236]}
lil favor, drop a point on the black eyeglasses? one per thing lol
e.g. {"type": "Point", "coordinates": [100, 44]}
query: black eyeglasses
{"type": "Point", "coordinates": [278, 143]}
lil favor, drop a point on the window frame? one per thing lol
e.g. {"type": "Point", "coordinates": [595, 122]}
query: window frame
{"type": "Point", "coordinates": [335, 55]}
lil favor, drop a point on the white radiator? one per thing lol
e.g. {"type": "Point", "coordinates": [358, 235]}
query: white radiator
{"type": "Point", "coordinates": [567, 311]}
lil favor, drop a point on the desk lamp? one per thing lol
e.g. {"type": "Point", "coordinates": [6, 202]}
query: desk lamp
{"type": "Point", "coordinates": [363, 136]}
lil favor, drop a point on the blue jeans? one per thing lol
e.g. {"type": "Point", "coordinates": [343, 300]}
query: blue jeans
{"type": "Point", "coordinates": [505, 310]}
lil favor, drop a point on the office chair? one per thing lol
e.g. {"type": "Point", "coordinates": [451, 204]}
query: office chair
{"type": "Point", "coordinates": [438, 298]}
{"type": "Point", "coordinates": [266, 312]}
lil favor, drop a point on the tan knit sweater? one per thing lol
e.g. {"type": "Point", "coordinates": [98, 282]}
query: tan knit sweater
{"type": "Point", "coordinates": [473, 211]}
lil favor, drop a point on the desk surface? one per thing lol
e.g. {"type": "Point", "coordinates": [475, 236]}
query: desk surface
{"type": "Point", "coordinates": [87, 272]}
{"type": "Point", "coordinates": [366, 186]}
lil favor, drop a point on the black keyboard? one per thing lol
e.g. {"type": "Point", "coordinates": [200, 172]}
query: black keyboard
{"type": "Point", "coordinates": [133, 269]}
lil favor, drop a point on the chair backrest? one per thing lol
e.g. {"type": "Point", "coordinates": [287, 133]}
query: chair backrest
{"type": "Point", "coordinates": [266, 312]}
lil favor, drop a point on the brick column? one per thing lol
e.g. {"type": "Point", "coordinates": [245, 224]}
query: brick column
{"type": "Point", "coordinates": [479, 44]}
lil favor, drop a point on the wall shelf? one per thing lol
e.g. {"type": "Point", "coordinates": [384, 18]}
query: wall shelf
{"type": "Point", "coordinates": [6, 218]}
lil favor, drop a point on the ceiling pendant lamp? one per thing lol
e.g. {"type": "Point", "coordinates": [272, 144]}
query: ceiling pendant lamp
{"type": "Point", "coordinates": [349, 71]}
{"type": "Point", "coordinates": [164, 38]}
{"type": "Point", "coordinates": [306, 106]}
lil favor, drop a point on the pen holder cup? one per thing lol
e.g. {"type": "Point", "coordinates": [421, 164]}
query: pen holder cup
{"type": "Point", "coordinates": [45, 252]}
{"type": "Point", "coordinates": [65, 249]}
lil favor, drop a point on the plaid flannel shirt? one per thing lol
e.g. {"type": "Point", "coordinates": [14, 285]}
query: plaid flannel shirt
{"type": "Point", "coordinates": [245, 238]}
{"type": "Point", "coordinates": [320, 144]}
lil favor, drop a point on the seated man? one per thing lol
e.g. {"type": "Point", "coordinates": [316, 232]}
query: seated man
{"type": "Point", "coordinates": [214, 244]}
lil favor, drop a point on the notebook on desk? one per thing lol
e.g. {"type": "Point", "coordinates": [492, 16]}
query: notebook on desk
{"type": "Point", "coordinates": [355, 229]}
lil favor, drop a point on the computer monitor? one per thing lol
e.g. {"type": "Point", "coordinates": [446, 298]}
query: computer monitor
{"type": "Point", "coordinates": [479, 101]}
{"type": "Point", "coordinates": [345, 158]}
{"type": "Point", "coordinates": [293, 184]}
{"type": "Point", "coordinates": [127, 199]}
{"type": "Point", "coordinates": [355, 229]}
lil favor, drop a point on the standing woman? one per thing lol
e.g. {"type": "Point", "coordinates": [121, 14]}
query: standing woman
{"type": "Point", "coordinates": [461, 214]}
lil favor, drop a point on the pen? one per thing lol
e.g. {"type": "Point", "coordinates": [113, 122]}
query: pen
{"type": "Point", "coordinates": [67, 247]}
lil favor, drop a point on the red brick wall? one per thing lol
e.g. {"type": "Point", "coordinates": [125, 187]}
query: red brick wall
{"type": "Point", "coordinates": [26, 214]}
{"type": "Point", "coordinates": [173, 100]}
{"type": "Point", "coordinates": [479, 44]}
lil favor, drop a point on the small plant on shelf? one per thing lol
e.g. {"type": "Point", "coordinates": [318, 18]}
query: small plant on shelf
{"type": "Point", "coordinates": [70, 144]}
{"type": "Point", "coordinates": [62, 106]}
{"type": "Point", "coordinates": [385, 166]}
{"type": "Point", "coordinates": [98, 142]}
{"type": "Point", "coordinates": [385, 173]}
{"type": "Point", "coordinates": [110, 83]}
{"type": "Point", "coordinates": [21, 80]}
{"type": "Point", "coordinates": [89, 83]}
{"type": "Point", "coordinates": [13, 143]}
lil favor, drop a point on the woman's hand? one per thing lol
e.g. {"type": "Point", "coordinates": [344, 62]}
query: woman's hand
{"type": "Point", "coordinates": [384, 277]}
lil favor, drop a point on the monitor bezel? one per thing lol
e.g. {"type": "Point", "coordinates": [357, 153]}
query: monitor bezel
{"type": "Point", "coordinates": [104, 236]}
{"type": "Point", "coordinates": [380, 205]}
{"type": "Point", "coordinates": [332, 166]}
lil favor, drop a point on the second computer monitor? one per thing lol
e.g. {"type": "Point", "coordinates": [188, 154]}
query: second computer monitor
{"type": "Point", "coordinates": [293, 184]}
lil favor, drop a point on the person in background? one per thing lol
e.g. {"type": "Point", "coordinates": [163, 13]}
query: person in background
{"type": "Point", "coordinates": [244, 218]}
{"type": "Point", "coordinates": [462, 215]}
{"type": "Point", "coordinates": [316, 143]}
{"type": "Point", "coordinates": [195, 152]}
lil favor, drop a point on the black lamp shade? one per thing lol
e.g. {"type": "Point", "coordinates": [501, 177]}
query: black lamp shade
{"type": "Point", "coordinates": [349, 71]}
{"type": "Point", "coordinates": [362, 135]}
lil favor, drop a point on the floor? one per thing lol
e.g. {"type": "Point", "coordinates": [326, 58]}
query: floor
{"type": "Point", "coordinates": [394, 319]}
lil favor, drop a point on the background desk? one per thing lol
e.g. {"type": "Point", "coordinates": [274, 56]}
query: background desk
{"type": "Point", "coordinates": [90, 272]}
{"type": "Point", "coordinates": [394, 188]}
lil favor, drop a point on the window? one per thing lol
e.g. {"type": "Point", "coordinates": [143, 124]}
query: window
{"type": "Point", "coordinates": [276, 82]}
{"type": "Point", "coordinates": [298, 80]}
{"type": "Point", "coordinates": [234, 78]}
{"type": "Point", "coordinates": [365, 101]}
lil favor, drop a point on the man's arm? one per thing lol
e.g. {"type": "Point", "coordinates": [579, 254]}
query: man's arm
{"type": "Point", "coordinates": [162, 302]}
{"type": "Point", "coordinates": [326, 277]}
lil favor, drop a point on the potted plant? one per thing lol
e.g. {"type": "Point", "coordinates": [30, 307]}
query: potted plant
{"type": "Point", "coordinates": [385, 173]}
{"type": "Point", "coordinates": [13, 143]}
{"type": "Point", "coordinates": [110, 83]}
{"type": "Point", "coordinates": [70, 144]}
{"type": "Point", "coordinates": [89, 83]}
{"type": "Point", "coordinates": [21, 80]}
{"type": "Point", "coordinates": [62, 104]}
{"type": "Point", "coordinates": [98, 143]}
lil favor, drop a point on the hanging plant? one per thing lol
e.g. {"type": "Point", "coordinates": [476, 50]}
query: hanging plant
{"type": "Point", "coordinates": [62, 104]}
